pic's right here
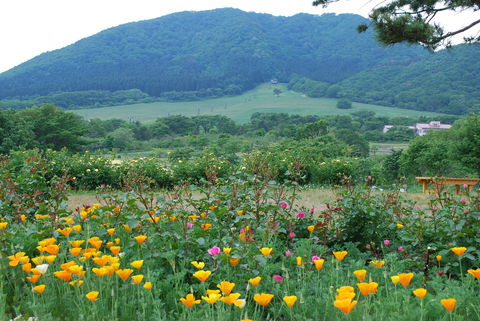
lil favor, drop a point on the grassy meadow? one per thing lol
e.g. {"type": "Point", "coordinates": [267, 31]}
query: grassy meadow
{"type": "Point", "coordinates": [240, 108]}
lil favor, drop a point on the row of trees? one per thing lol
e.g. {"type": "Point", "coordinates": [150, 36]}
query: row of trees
{"type": "Point", "coordinates": [50, 127]}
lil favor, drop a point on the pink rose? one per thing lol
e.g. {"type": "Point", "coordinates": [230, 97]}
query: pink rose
{"type": "Point", "coordinates": [386, 242]}
{"type": "Point", "coordinates": [189, 225]}
{"type": "Point", "coordinates": [400, 248]}
{"type": "Point", "coordinates": [288, 253]}
{"type": "Point", "coordinates": [463, 201]}
{"type": "Point", "coordinates": [301, 215]}
{"type": "Point", "coordinates": [214, 251]}
{"type": "Point", "coordinates": [283, 204]}
{"type": "Point", "coordinates": [278, 278]}
{"type": "Point", "coordinates": [291, 235]}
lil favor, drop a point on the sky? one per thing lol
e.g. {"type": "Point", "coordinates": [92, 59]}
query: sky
{"type": "Point", "coordinates": [31, 27]}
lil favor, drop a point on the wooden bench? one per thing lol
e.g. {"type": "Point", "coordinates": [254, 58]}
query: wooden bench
{"type": "Point", "coordinates": [440, 181]}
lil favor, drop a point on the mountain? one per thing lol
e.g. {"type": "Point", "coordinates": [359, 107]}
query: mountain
{"type": "Point", "coordinates": [447, 81]}
{"type": "Point", "coordinates": [209, 53]}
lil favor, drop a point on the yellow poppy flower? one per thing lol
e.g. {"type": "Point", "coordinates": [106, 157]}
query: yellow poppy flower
{"type": "Point", "coordinates": [345, 305]}
{"type": "Point", "coordinates": [189, 300]}
{"type": "Point", "coordinates": [449, 304]}
{"type": "Point", "coordinates": [115, 250]}
{"type": "Point", "coordinates": [458, 250]}
{"type": "Point", "coordinates": [75, 251]}
{"type": "Point", "coordinates": [420, 293]}
{"type": "Point", "coordinates": [395, 279]}
{"type": "Point", "coordinates": [346, 288]}
{"type": "Point", "coordinates": [206, 226]}
{"type": "Point", "coordinates": [124, 274]}
{"type": "Point", "coordinates": [92, 296]}
{"type": "Point", "coordinates": [63, 275]}
{"type": "Point", "coordinates": [377, 264]}
{"type": "Point", "coordinates": [255, 281]}
{"type": "Point", "coordinates": [226, 287]}
{"type": "Point", "coordinates": [137, 264]}
{"type": "Point", "coordinates": [367, 288]}
{"type": "Point", "coordinates": [212, 298]}
{"type": "Point", "coordinates": [405, 278]}
{"type": "Point", "coordinates": [39, 288]}
{"type": "Point", "coordinates": [345, 295]}
{"type": "Point", "coordinates": [111, 231]}
{"type": "Point", "coordinates": [227, 250]}
{"type": "Point", "coordinates": [147, 286]}
{"type": "Point", "coordinates": [360, 274]}
{"type": "Point", "coordinates": [290, 300]}
{"type": "Point", "coordinates": [340, 255]}
{"type": "Point", "coordinates": [299, 261]}
{"type": "Point", "coordinates": [475, 273]}
{"type": "Point", "coordinates": [140, 238]}
{"type": "Point", "coordinates": [198, 265]}
{"type": "Point", "coordinates": [137, 279]}
{"type": "Point", "coordinates": [266, 251]}
{"type": "Point", "coordinates": [231, 298]}
{"type": "Point", "coordinates": [234, 261]}
{"type": "Point", "coordinates": [263, 299]}
{"type": "Point", "coordinates": [311, 228]}
{"type": "Point", "coordinates": [319, 264]}
{"type": "Point", "coordinates": [202, 275]}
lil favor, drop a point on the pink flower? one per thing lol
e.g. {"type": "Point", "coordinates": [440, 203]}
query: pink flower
{"type": "Point", "coordinates": [189, 225]}
{"type": "Point", "coordinates": [283, 204]}
{"type": "Point", "coordinates": [312, 210]}
{"type": "Point", "coordinates": [291, 235]}
{"type": "Point", "coordinates": [386, 242]}
{"type": "Point", "coordinates": [463, 201]}
{"type": "Point", "coordinates": [400, 248]}
{"type": "Point", "coordinates": [465, 186]}
{"type": "Point", "coordinates": [214, 251]}
{"type": "Point", "coordinates": [301, 215]}
{"type": "Point", "coordinates": [278, 278]}
{"type": "Point", "coordinates": [314, 258]}
{"type": "Point", "coordinates": [288, 253]}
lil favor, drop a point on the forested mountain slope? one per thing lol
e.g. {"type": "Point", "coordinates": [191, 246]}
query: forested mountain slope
{"type": "Point", "coordinates": [222, 51]}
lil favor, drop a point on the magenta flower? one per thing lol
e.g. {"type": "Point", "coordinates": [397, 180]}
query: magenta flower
{"type": "Point", "coordinates": [189, 225]}
{"type": "Point", "coordinates": [400, 248]}
{"type": "Point", "coordinates": [314, 258]}
{"type": "Point", "coordinates": [301, 215]}
{"type": "Point", "coordinates": [214, 251]}
{"type": "Point", "coordinates": [291, 235]}
{"type": "Point", "coordinates": [386, 242]}
{"type": "Point", "coordinates": [283, 204]}
{"type": "Point", "coordinates": [278, 278]}
{"type": "Point", "coordinates": [288, 253]}
{"type": "Point", "coordinates": [463, 201]}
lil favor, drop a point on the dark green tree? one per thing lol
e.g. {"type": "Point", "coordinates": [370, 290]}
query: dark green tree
{"type": "Point", "coordinates": [412, 21]}
{"type": "Point", "coordinates": [344, 103]}
{"type": "Point", "coordinates": [54, 128]}
{"type": "Point", "coordinates": [15, 132]}
{"type": "Point", "coordinates": [467, 143]}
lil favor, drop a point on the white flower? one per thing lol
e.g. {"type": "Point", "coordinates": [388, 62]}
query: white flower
{"type": "Point", "coordinates": [42, 268]}
{"type": "Point", "coordinates": [240, 303]}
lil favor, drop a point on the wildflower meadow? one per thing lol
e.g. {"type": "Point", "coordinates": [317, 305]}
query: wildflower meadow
{"type": "Point", "coordinates": [235, 248]}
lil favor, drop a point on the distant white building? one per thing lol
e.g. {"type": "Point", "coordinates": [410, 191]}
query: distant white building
{"type": "Point", "coordinates": [422, 129]}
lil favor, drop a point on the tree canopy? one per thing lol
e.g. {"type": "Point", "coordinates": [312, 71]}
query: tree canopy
{"type": "Point", "coordinates": [413, 21]}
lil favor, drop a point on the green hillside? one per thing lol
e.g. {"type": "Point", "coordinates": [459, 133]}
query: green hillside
{"type": "Point", "coordinates": [447, 81]}
{"type": "Point", "coordinates": [208, 53]}
{"type": "Point", "coordinates": [240, 108]}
